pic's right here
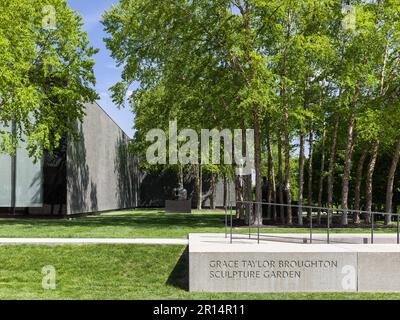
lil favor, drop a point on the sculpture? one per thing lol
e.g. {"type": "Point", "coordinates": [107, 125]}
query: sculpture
{"type": "Point", "coordinates": [180, 193]}
{"type": "Point", "coordinates": [180, 202]}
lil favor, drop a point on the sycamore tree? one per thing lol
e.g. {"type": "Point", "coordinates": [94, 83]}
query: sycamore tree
{"type": "Point", "coordinates": [305, 75]}
{"type": "Point", "coordinates": [381, 91]}
{"type": "Point", "coordinates": [301, 50]}
{"type": "Point", "coordinates": [210, 52]}
{"type": "Point", "coordinates": [46, 74]}
{"type": "Point", "coordinates": [354, 75]}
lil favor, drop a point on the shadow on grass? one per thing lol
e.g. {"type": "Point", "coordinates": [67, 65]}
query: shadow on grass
{"type": "Point", "coordinates": [179, 277]}
{"type": "Point", "coordinates": [148, 220]}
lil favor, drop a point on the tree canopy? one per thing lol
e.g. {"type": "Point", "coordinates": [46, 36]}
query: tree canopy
{"type": "Point", "coordinates": [320, 75]}
{"type": "Point", "coordinates": [46, 73]}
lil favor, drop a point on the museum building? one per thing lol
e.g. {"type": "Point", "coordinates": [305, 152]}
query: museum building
{"type": "Point", "coordinates": [93, 174]}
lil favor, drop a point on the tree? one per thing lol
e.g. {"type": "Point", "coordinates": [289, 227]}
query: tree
{"type": "Point", "coordinates": [382, 20]}
{"type": "Point", "coordinates": [288, 69]}
{"type": "Point", "coordinates": [173, 45]}
{"type": "Point", "coordinates": [46, 74]}
{"type": "Point", "coordinates": [358, 181]}
{"type": "Point", "coordinates": [389, 188]}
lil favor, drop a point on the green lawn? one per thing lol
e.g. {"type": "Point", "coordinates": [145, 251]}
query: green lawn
{"type": "Point", "coordinates": [119, 271]}
{"type": "Point", "coordinates": [131, 224]}
{"type": "Point", "coordinates": [116, 272]}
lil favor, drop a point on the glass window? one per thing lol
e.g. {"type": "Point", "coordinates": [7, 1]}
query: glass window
{"type": "Point", "coordinates": [29, 180]}
{"type": "Point", "coordinates": [5, 181]}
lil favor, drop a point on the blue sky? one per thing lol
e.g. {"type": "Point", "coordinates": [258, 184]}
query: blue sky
{"type": "Point", "coordinates": [106, 72]}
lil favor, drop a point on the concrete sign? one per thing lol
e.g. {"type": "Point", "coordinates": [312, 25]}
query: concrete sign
{"type": "Point", "coordinates": [244, 266]}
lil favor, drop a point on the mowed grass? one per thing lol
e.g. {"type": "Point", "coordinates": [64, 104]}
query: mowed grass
{"type": "Point", "coordinates": [122, 224]}
{"type": "Point", "coordinates": [120, 271]}
{"type": "Point", "coordinates": [117, 272]}
{"type": "Point", "coordinates": [135, 224]}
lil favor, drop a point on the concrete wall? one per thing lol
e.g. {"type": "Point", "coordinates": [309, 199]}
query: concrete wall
{"type": "Point", "coordinates": [219, 195]}
{"type": "Point", "coordinates": [157, 187]}
{"type": "Point", "coordinates": [279, 265]}
{"type": "Point", "coordinates": [101, 174]}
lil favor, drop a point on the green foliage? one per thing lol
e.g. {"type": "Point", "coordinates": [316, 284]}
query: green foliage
{"type": "Point", "coordinates": [46, 74]}
{"type": "Point", "coordinates": [290, 67]}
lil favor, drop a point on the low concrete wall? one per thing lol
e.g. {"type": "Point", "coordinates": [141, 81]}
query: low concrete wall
{"type": "Point", "coordinates": [378, 269]}
{"type": "Point", "coordinates": [101, 174]}
{"type": "Point", "coordinates": [215, 265]}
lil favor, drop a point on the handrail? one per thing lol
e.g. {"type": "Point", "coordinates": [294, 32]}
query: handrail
{"type": "Point", "coordinates": [329, 212]}
{"type": "Point", "coordinates": [319, 208]}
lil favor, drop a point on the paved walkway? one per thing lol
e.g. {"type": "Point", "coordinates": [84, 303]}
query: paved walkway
{"type": "Point", "coordinates": [48, 241]}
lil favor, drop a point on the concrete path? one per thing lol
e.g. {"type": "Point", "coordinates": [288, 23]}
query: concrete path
{"type": "Point", "coordinates": [60, 241]}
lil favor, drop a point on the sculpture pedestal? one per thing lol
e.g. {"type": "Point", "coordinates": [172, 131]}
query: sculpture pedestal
{"type": "Point", "coordinates": [178, 206]}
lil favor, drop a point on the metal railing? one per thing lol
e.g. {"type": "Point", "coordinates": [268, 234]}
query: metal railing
{"type": "Point", "coordinates": [329, 213]}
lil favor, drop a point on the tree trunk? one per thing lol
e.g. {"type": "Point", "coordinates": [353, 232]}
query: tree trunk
{"type": "Point", "coordinates": [213, 189]}
{"type": "Point", "coordinates": [287, 171]}
{"type": "Point", "coordinates": [302, 159]}
{"type": "Point", "coordinates": [200, 187]}
{"type": "Point", "coordinates": [388, 205]}
{"type": "Point", "coordinates": [258, 219]}
{"type": "Point", "coordinates": [280, 177]}
{"type": "Point", "coordinates": [301, 179]}
{"type": "Point", "coordinates": [225, 181]}
{"type": "Point", "coordinates": [180, 174]}
{"type": "Point", "coordinates": [331, 167]}
{"type": "Point", "coordinates": [247, 185]}
{"type": "Point", "coordinates": [347, 168]}
{"type": "Point", "coordinates": [390, 181]}
{"type": "Point", "coordinates": [357, 190]}
{"type": "Point", "coordinates": [248, 192]}
{"type": "Point", "coordinates": [321, 176]}
{"type": "Point", "coordinates": [238, 194]}
{"type": "Point", "coordinates": [271, 179]}
{"type": "Point", "coordinates": [238, 187]}
{"type": "Point", "coordinates": [310, 171]}
{"type": "Point", "coordinates": [369, 180]}
{"type": "Point", "coordinates": [197, 185]}
{"type": "Point", "coordinates": [285, 107]}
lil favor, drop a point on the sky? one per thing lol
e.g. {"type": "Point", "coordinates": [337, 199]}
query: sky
{"type": "Point", "coordinates": [107, 74]}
